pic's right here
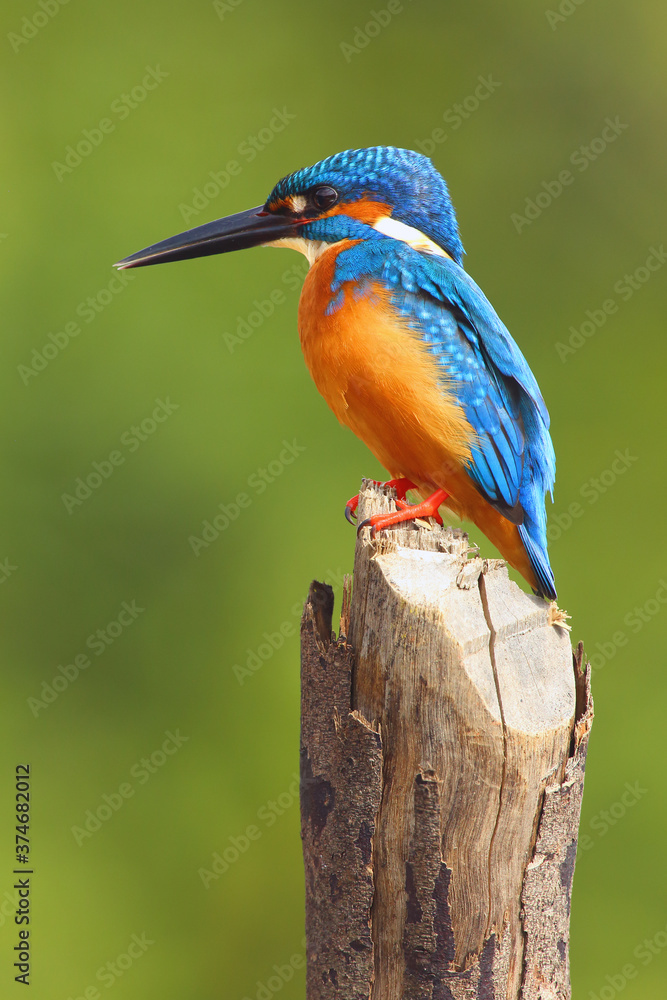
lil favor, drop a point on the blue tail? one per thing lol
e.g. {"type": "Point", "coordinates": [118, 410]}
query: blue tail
{"type": "Point", "coordinates": [539, 559]}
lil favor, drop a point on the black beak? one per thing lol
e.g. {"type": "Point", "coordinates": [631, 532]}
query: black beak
{"type": "Point", "coordinates": [236, 232]}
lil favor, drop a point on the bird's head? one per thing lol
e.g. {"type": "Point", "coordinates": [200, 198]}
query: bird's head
{"type": "Point", "coordinates": [357, 194]}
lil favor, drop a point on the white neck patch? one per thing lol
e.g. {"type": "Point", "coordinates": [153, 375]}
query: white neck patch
{"type": "Point", "coordinates": [407, 234]}
{"type": "Point", "coordinates": [311, 249]}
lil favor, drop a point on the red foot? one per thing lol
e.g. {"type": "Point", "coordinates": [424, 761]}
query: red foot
{"type": "Point", "coordinates": [400, 485]}
{"type": "Point", "coordinates": [407, 512]}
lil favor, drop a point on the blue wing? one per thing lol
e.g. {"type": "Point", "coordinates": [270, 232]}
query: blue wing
{"type": "Point", "coordinates": [513, 463]}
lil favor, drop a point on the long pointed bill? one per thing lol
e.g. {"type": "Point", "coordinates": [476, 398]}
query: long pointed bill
{"type": "Point", "coordinates": [236, 232]}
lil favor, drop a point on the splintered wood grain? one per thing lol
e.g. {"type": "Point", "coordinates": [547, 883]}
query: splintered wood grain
{"type": "Point", "coordinates": [472, 683]}
{"type": "Point", "coordinates": [547, 885]}
{"type": "Point", "coordinates": [443, 741]}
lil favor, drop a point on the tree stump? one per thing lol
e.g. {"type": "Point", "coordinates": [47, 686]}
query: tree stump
{"type": "Point", "coordinates": [443, 744]}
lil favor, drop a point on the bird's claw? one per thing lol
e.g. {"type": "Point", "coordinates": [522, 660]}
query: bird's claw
{"type": "Point", "coordinates": [351, 509]}
{"type": "Point", "coordinates": [371, 521]}
{"type": "Point", "coordinates": [400, 485]}
{"type": "Point", "coordinates": [365, 524]}
{"type": "Point", "coordinates": [350, 514]}
{"type": "Point", "coordinates": [407, 512]}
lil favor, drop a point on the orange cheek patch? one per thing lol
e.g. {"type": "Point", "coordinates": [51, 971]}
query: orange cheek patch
{"type": "Point", "coordinates": [365, 211]}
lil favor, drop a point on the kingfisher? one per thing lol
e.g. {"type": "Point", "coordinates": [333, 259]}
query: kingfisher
{"type": "Point", "coordinates": [404, 346]}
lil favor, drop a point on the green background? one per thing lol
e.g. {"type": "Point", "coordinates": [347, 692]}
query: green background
{"type": "Point", "coordinates": [162, 337]}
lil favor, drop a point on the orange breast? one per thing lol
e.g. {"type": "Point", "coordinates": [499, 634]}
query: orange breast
{"type": "Point", "coordinates": [380, 380]}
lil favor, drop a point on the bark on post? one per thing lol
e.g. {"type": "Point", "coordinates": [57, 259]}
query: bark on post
{"type": "Point", "coordinates": [443, 744]}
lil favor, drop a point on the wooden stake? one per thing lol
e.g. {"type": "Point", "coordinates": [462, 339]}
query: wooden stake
{"type": "Point", "coordinates": [443, 743]}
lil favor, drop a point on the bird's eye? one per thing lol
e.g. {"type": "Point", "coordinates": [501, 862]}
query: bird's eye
{"type": "Point", "coordinates": [324, 197]}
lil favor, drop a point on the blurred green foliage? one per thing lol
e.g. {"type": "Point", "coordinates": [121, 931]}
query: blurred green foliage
{"type": "Point", "coordinates": [218, 72]}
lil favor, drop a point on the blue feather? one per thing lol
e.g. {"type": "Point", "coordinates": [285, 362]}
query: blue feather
{"type": "Point", "coordinates": [513, 462]}
{"type": "Point", "coordinates": [401, 178]}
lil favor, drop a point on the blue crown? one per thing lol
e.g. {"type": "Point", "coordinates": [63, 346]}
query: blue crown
{"type": "Point", "coordinates": [401, 178]}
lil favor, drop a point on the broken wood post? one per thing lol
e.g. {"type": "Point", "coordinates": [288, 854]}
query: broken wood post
{"type": "Point", "coordinates": [443, 743]}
